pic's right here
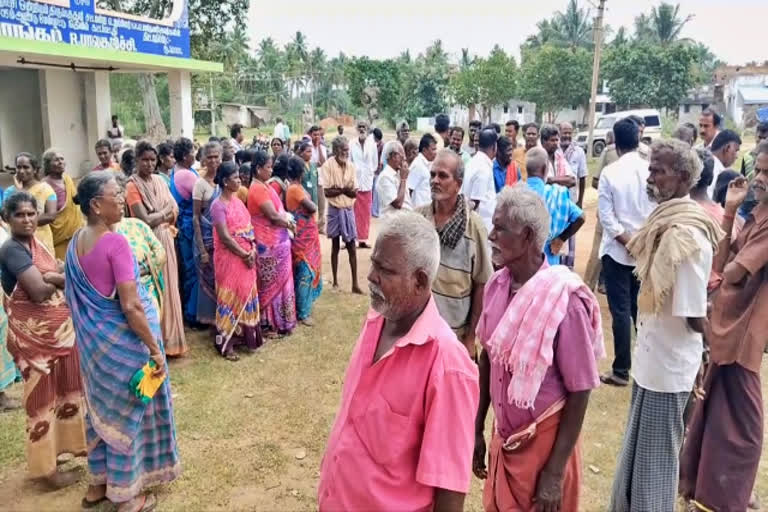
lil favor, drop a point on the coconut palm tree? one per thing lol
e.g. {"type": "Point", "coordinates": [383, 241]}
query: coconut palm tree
{"type": "Point", "coordinates": [573, 28]}
{"type": "Point", "coordinates": [666, 23]}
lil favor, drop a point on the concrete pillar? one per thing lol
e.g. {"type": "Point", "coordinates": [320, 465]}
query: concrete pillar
{"type": "Point", "coordinates": [98, 106]}
{"type": "Point", "coordinates": [180, 92]}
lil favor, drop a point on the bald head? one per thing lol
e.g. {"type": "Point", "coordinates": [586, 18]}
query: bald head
{"type": "Point", "coordinates": [536, 162]}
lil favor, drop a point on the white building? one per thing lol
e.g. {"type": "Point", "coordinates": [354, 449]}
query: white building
{"type": "Point", "coordinates": [55, 61]}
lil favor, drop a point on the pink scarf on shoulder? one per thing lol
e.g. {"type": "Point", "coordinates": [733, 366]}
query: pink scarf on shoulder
{"type": "Point", "coordinates": [523, 340]}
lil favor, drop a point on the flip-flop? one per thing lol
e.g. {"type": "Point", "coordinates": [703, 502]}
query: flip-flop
{"type": "Point", "coordinates": [614, 380]}
{"type": "Point", "coordinates": [88, 504]}
{"type": "Point", "coordinates": [149, 504]}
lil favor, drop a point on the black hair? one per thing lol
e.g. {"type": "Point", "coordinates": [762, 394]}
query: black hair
{"type": "Point", "coordinates": [242, 156]}
{"type": "Point", "coordinates": [762, 127]}
{"type": "Point", "coordinates": [259, 159]}
{"type": "Point", "coordinates": [278, 139]}
{"type": "Point", "coordinates": [475, 123]}
{"type": "Point", "coordinates": [503, 144]}
{"type": "Point", "coordinates": [295, 168]}
{"type": "Point", "coordinates": [716, 118]}
{"type": "Point", "coordinates": [102, 143]}
{"type": "Point", "coordinates": [181, 148]}
{"type": "Point", "coordinates": [303, 147]}
{"type": "Point", "coordinates": [312, 129]}
{"type": "Point", "coordinates": [11, 203]}
{"type": "Point", "coordinates": [496, 127]}
{"type": "Point", "coordinates": [114, 116]}
{"type": "Point", "coordinates": [224, 172]}
{"type": "Point", "coordinates": [296, 145]}
{"type": "Point", "coordinates": [513, 122]}
{"type": "Point", "coordinates": [548, 131]}
{"type": "Point", "coordinates": [213, 139]}
{"type": "Point", "coordinates": [724, 138]}
{"type": "Point", "coordinates": [235, 129]}
{"type": "Point", "coordinates": [442, 123]}
{"type": "Point", "coordinates": [128, 161]}
{"type": "Point", "coordinates": [33, 161]}
{"type": "Point", "coordinates": [626, 134]}
{"type": "Point", "coordinates": [164, 149]}
{"type": "Point", "coordinates": [639, 121]}
{"type": "Point", "coordinates": [90, 187]}
{"type": "Point", "coordinates": [457, 129]}
{"type": "Point", "coordinates": [530, 125]}
{"type": "Point", "coordinates": [488, 138]}
{"type": "Point", "coordinates": [707, 169]}
{"type": "Point", "coordinates": [144, 146]}
{"type": "Point", "coordinates": [426, 140]}
{"type": "Point", "coordinates": [245, 169]}
{"type": "Point", "coordinates": [377, 134]}
{"type": "Point", "coordinates": [280, 166]}
{"type": "Point", "coordinates": [721, 185]}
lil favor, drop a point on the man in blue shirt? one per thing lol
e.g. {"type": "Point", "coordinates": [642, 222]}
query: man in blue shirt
{"type": "Point", "coordinates": [566, 218]}
{"type": "Point", "coordinates": [505, 169]}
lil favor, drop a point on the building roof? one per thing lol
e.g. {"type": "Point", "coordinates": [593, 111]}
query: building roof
{"type": "Point", "coordinates": [754, 95]}
{"type": "Point", "coordinates": [39, 53]}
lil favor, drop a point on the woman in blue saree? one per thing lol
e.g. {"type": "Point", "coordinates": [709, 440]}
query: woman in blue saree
{"type": "Point", "coordinates": [204, 194]}
{"type": "Point", "coordinates": [131, 445]}
{"type": "Point", "coordinates": [183, 181]}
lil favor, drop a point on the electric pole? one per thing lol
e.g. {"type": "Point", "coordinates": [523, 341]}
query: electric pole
{"type": "Point", "coordinates": [597, 29]}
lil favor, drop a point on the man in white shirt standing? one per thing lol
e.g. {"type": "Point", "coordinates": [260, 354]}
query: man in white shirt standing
{"type": "Point", "coordinates": [392, 185]}
{"type": "Point", "coordinates": [365, 156]}
{"type": "Point", "coordinates": [725, 149]}
{"type": "Point", "coordinates": [418, 175]}
{"type": "Point", "coordinates": [577, 160]}
{"type": "Point", "coordinates": [319, 156]}
{"type": "Point", "coordinates": [478, 185]}
{"type": "Point", "coordinates": [623, 207]}
{"type": "Point", "coordinates": [673, 310]}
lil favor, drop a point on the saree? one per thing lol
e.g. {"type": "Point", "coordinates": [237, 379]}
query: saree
{"type": "Point", "coordinates": [305, 249]}
{"type": "Point", "coordinates": [150, 256]}
{"type": "Point", "coordinates": [8, 370]}
{"type": "Point", "coordinates": [206, 275]}
{"type": "Point", "coordinates": [276, 293]}
{"type": "Point", "coordinates": [68, 220]}
{"type": "Point", "coordinates": [41, 340]}
{"type": "Point", "coordinates": [363, 214]}
{"type": "Point", "coordinates": [309, 182]}
{"type": "Point", "coordinates": [131, 445]}
{"type": "Point", "coordinates": [237, 295]}
{"type": "Point", "coordinates": [42, 192]}
{"type": "Point", "coordinates": [155, 197]}
{"type": "Point", "coordinates": [186, 241]}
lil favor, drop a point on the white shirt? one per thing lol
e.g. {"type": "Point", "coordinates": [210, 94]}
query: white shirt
{"type": "Point", "coordinates": [418, 181]}
{"type": "Point", "coordinates": [236, 145]}
{"type": "Point", "coordinates": [578, 164]}
{"type": "Point", "coordinates": [479, 186]}
{"type": "Point", "coordinates": [386, 189]}
{"type": "Point", "coordinates": [667, 352]}
{"type": "Point", "coordinates": [622, 203]}
{"type": "Point", "coordinates": [716, 170]}
{"type": "Point", "coordinates": [279, 132]}
{"type": "Point", "coordinates": [366, 160]}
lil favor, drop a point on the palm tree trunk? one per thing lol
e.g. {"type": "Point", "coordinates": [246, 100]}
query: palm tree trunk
{"type": "Point", "coordinates": [472, 111]}
{"type": "Point", "coordinates": [153, 120]}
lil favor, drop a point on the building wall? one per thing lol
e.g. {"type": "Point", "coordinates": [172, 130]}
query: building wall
{"type": "Point", "coordinates": [62, 99]}
{"type": "Point", "coordinates": [20, 116]}
{"type": "Point", "coordinates": [692, 116]}
{"type": "Point", "coordinates": [733, 100]}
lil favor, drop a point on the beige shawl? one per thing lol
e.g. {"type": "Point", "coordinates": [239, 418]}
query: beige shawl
{"type": "Point", "coordinates": [663, 243]}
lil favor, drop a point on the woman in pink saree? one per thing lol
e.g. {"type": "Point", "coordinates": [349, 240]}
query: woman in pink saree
{"type": "Point", "coordinates": [272, 227]}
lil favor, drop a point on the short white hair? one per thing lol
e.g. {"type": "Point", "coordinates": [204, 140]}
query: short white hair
{"type": "Point", "coordinates": [418, 237]}
{"type": "Point", "coordinates": [536, 158]}
{"type": "Point", "coordinates": [521, 205]}
{"type": "Point", "coordinates": [685, 158]}
{"type": "Point", "coordinates": [390, 147]}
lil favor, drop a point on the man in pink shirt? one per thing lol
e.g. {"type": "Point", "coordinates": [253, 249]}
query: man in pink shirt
{"type": "Point", "coordinates": [543, 324]}
{"type": "Point", "coordinates": [403, 436]}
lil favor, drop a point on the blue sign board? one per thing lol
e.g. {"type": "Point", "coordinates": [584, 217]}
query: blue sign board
{"type": "Point", "coordinates": [81, 23]}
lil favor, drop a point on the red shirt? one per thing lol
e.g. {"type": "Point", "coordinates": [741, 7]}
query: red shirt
{"type": "Point", "coordinates": [406, 423]}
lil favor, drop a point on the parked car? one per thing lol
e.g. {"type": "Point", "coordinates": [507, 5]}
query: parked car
{"type": "Point", "coordinates": [605, 123]}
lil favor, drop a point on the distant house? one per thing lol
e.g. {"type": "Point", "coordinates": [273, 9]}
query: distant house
{"type": "Point", "coordinates": [745, 90]}
{"type": "Point", "coordinates": [250, 116]}
{"type": "Point", "coordinates": [577, 115]}
{"type": "Point", "coordinates": [521, 111]}
{"type": "Point", "coordinates": [691, 107]}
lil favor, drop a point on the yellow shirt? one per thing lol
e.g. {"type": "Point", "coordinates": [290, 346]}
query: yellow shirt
{"type": "Point", "coordinates": [334, 175]}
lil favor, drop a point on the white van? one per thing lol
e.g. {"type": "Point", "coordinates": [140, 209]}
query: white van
{"type": "Point", "coordinates": [605, 123]}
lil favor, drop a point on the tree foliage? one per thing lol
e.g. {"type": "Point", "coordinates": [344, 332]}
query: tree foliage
{"type": "Point", "coordinates": [486, 81]}
{"type": "Point", "coordinates": [556, 78]}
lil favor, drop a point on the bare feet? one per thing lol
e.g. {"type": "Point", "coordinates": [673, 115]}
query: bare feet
{"type": "Point", "coordinates": [335, 285]}
{"type": "Point", "coordinates": [7, 403]}
{"type": "Point", "coordinates": [356, 290]}
{"type": "Point", "coordinates": [62, 479]}
{"type": "Point", "coordinates": [95, 495]}
{"type": "Point", "coordinates": [308, 322]}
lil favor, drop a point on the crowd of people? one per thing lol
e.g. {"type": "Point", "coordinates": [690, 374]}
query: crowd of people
{"type": "Point", "coordinates": [475, 250]}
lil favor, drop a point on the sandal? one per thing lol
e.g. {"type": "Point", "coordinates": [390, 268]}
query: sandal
{"type": "Point", "coordinates": [231, 356]}
{"type": "Point", "coordinates": [149, 503]}
{"type": "Point", "coordinates": [612, 379]}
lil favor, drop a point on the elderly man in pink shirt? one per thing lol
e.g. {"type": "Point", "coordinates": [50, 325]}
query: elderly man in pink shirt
{"type": "Point", "coordinates": [541, 336]}
{"type": "Point", "coordinates": [404, 434]}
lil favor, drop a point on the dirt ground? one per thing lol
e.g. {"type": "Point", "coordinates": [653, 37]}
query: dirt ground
{"type": "Point", "coordinates": [252, 433]}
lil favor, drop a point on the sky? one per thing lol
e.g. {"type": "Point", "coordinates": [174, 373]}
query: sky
{"type": "Point", "coordinates": [733, 29]}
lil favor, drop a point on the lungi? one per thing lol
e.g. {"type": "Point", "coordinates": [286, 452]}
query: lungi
{"type": "Point", "coordinates": [341, 222]}
{"type": "Point", "coordinates": [513, 475]}
{"type": "Point", "coordinates": [721, 453]}
{"type": "Point", "coordinates": [647, 475]}
{"type": "Point", "coordinates": [363, 214]}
